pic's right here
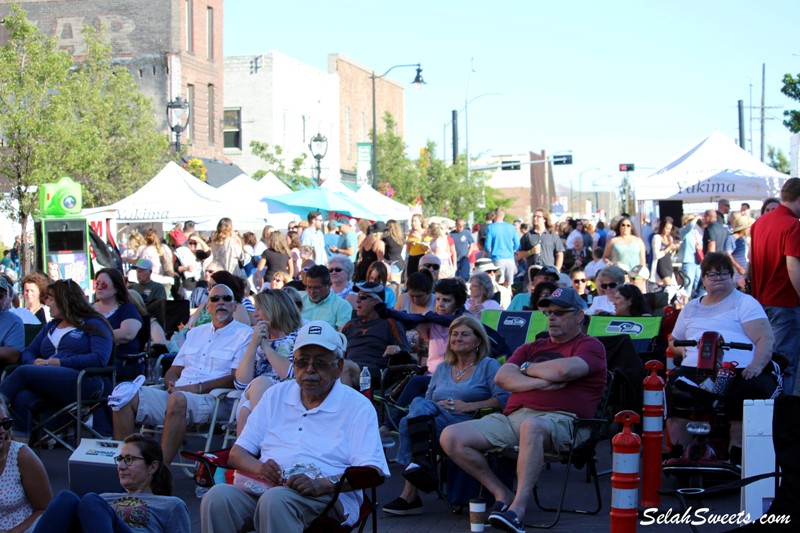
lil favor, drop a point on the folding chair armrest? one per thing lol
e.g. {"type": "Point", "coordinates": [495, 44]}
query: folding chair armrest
{"type": "Point", "coordinates": [234, 394]}
{"type": "Point", "coordinates": [359, 478]}
{"type": "Point", "coordinates": [221, 393]}
{"type": "Point", "coordinates": [362, 477]}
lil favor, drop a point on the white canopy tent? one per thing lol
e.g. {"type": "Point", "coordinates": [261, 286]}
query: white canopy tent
{"type": "Point", "coordinates": [174, 195]}
{"type": "Point", "coordinates": [712, 169]}
{"type": "Point", "coordinates": [380, 203]}
{"type": "Point", "coordinates": [243, 186]}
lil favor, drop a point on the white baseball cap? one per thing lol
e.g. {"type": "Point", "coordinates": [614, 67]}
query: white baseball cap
{"type": "Point", "coordinates": [320, 333]}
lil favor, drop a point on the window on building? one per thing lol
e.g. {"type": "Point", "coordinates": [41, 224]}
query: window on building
{"type": "Point", "coordinates": [210, 32]}
{"type": "Point", "coordinates": [232, 128]}
{"type": "Point", "coordinates": [189, 26]}
{"type": "Point", "coordinates": [212, 122]}
{"type": "Point", "coordinates": [190, 126]}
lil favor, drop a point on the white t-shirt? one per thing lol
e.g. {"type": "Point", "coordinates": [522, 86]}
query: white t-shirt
{"type": "Point", "coordinates": [602, 303]}
{"type": "Point", "coordinates": [340, 432]}
{"type": "Point", "coordinates": [726, 318]}
{"type": "Point", "coordinates": [593, 267]}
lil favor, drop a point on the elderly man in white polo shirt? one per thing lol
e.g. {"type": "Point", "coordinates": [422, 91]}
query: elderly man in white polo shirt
{"type": "Point", "coordinates": [206, 361]}
{"type": "Point", "coordinates": [299, 439]}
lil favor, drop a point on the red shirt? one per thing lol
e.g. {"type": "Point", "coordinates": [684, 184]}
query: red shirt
{"type": "Point", "coordinates": [774, 236]}
{"type": "Point", "coordinates": [581, 396]}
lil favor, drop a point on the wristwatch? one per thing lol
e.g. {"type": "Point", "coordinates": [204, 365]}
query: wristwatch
{"type": "Point", "coordinates": [334, 479]}
{"type": "Point", "coordinates": [524, 366]}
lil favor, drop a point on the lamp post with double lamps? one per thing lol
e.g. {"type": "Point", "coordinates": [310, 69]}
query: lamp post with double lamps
{"type": "Point", "coordinates": [318, 147]}
{"type": "Point", "coordinates": [178, 117]}
{"type": "Point", "coordinates": [418, 81]}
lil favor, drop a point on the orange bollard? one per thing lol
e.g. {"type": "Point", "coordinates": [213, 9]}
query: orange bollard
{"type": "Point", "coordinates": [625, 475]}
{"type": "Point", "coordinates": [652, 434]}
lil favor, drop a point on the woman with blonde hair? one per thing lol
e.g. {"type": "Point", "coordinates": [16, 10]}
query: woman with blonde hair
{"type": "Point", "coordinates": [461, 385]}
{"type": "Point", "coordinates": [268, 358]}
{"type": "Point", "coordinates": [155, 253]}
{"type": "Point", "coordinates": [226, 247]}
{"type": "Point", "coordinates": [293, 243]}
{"type": "Point", "coordinates": [441, 248]}
{"type": "Point", "coordinates": [135, 247]}
{"type": "Point", "coordinates": [417, 243]}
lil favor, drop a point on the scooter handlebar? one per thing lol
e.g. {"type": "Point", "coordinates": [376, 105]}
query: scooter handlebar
{"type": "Point", "coordinates": [739, 345]}
{"type": "Point", "coordinates": [676, 342]}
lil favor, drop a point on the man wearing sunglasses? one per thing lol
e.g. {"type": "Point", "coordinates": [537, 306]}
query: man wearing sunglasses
{"type": "Point", "coordinates": [432, 264]}
{"type": "Point", "coordinates": [551, 381]}
{"type": "Point", "coordinates": [300, 438]}
{"type": "Point", "coordinates": [371, 340]}
{"type": "Point", "coordinates": [207, 361]}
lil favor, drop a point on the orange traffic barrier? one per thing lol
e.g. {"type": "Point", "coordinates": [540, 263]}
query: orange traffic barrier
{"type": "Point", "coordinates": [625, 474]}
{"type": "Point", "coordinates": [652, 434]}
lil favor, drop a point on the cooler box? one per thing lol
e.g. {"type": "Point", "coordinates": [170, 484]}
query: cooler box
{"type": "Point", "coordinates": [92, 468]}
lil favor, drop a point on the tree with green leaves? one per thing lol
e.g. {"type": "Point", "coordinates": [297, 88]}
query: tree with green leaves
{"type": "Point", "coordinates": [32, 118]}
{"type": "Point", "coordinates": [778, 160]}
{"type": "Point", "coordinates": [86, 121]}
{"type": "Point", "coordinates": [274, 158]}
{"type": "Point", "coordinates": [394, 166]}
{"type": "Point", "coordinates": [113, 146]}
{"type": "Point", "coordinates": [791, 88]}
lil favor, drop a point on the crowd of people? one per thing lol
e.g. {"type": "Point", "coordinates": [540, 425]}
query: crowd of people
{"type": "Point", "coordinates": [296, 319]}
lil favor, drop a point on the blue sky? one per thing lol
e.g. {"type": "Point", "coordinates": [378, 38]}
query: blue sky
{"type": "Point", "coordinates": [614, 81]}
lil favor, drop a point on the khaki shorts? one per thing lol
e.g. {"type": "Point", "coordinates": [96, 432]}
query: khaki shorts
{"type": "Point", "coordinates": [503, 431]}
{"type": "Point", "coordinates": [153, 407]}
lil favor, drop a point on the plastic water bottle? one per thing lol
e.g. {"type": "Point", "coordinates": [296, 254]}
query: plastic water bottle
{"type": "Point", "coordinates": [725, 376]}
{"type": "Point", "coordinates": [200, 491]}
{"type": "Point", "coordinates": [365, 383]}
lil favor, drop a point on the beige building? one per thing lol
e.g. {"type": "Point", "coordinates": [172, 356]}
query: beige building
{"type": "Point", "coordinates": [355, 106]}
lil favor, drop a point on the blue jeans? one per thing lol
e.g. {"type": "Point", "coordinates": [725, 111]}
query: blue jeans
{"type": "Point", "coordinates": [29, 385]}
{"type": "Point", "coordinates": [785, 322]}
{"type": "Point", "coordinates": [422, 407]}
{"type": "Point", "coordinates": [691, 278]}
{"type": "Point", "coordinates": [416, 387]}
{"type": "Point", "coordinates": [462, 268]}
{"type": "Point", "coordinates": [68, 513]}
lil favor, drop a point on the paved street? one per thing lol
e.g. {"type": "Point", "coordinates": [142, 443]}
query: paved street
{"type": "Point", "coordinates": [438, 518]}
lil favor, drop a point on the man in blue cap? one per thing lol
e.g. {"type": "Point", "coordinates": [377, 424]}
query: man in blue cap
{"type": "Point", "coordinates": [552, 381]}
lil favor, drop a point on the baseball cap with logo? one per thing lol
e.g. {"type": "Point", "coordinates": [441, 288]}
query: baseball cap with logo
{"type": "Point", "coordinates": [319, 333]}
{"type": "Point", "coordinates": [143, 264]}
{"type": "Point", "coordinates": [564, 297]}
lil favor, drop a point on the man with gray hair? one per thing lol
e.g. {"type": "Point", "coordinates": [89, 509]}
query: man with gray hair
{"type": "Point", "coordinates": [207, 361]}
{"type": "Point", "coordinates": [300, 438]}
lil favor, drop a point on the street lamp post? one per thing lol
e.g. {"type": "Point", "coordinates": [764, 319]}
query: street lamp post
{"type": "Point", "coordinates": [318, 147]}
{"type": "Point", "coordinates": [418, 81]}
{"type": "Point", "coordinates": [178, 117]}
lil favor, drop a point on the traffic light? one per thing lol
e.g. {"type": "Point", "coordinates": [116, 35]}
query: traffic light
{"type": "Point", "coordinates": [562, 159]}
{"type": "Point", "coordinates": [626, 167]}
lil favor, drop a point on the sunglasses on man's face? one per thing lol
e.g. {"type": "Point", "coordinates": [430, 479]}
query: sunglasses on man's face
{"type": "Point", "coordinates": [432, 266]}
{"type": "Point", "coordinates": [611, 285]}
{"type": "Point", "coordinates": [337, 269]}
{"type": "Point", "coordinates": [226, 298]}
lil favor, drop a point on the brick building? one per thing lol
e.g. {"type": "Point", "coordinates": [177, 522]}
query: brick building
{"type": "Point", "coordinates": [171, 47]}
{"type": "Point", "coordinates": [355, 101]}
